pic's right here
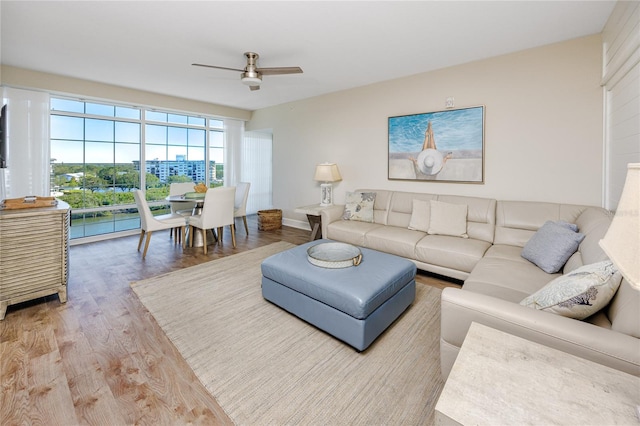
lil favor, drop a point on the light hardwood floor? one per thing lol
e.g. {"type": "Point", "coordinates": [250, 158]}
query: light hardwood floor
{"type": "Point", "coordinates": [101, 358]}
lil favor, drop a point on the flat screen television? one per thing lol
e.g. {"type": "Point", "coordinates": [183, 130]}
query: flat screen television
{"type": "Point", "coordinates": [3, 137]}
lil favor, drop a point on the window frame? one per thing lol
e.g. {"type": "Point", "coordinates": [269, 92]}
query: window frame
{"type": "Point", "coordinates": [209, 124]}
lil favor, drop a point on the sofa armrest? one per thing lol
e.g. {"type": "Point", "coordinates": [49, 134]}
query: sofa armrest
{"type": "Point", "coordinates": [330, 214]}
{"type": "Point", "coordinates": [461, 307]}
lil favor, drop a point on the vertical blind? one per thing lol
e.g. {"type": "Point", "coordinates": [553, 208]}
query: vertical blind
{"type": "Point", "coordinates": [28, 154]}
{"type": "Point", "coordinates": [257, 169]}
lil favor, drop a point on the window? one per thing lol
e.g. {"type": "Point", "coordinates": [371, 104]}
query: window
{"type": "Point", "coordinates": [101, 152]}
{"type": "Point", "coordinates": [175, 151]}
{"type": "Point", "coordinates": [216, 151]}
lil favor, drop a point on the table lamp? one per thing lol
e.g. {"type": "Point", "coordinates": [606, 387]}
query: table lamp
{"type": "Point", "coordinates": [622, 241]}
{"type": "Point", "coordinates": [327, 173]}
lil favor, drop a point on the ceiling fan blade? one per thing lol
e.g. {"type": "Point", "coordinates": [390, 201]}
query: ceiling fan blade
{"type": "Point", "coordinates": [220, 68]}
{"type": "Point", "coordinates": [279, 70]}
{"type": "Point", "coordinates": [252, 88]}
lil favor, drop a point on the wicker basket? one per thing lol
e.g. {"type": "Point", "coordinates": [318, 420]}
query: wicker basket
{"type": "Point", "coordinates": [269, 220]}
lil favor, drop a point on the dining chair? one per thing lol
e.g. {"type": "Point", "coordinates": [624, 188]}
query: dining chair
{"type": "Point", "coordinates": [240, 205]}
{"type": "Point", "coordinates": [217, 212]}
{"type": "Point", "coordinates": [182, 208]}
{"type": "Point", "coordinates": [150, 223]}
{"type": "Point", "coordinates": [181, 188]}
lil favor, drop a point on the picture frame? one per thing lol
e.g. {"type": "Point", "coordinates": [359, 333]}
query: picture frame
{"type": "Point", "coordinates": [438, 146]}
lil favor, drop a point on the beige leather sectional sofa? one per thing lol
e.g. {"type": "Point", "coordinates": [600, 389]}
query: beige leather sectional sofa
{"type": "Point", "coordinates": [496, 277]}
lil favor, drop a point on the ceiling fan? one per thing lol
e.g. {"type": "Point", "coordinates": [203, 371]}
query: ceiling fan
{"type": "Point", "coordinates": [251, 74]}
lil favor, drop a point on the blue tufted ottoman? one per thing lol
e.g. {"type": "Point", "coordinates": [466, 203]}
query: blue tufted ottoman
{"type": "Point", "coordinates": [354, 304]}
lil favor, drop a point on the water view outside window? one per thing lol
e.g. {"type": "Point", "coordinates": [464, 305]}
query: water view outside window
{"type": "Point", "coordinates": [101, 152]}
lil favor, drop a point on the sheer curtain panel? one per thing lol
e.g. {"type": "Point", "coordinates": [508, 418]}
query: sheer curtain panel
{"type": "Point", "coordinates": [28, 157]}
{"type": "Point", "coordinates": [257, 169]}
{"type": "Point", "coordinates": [233, 136]}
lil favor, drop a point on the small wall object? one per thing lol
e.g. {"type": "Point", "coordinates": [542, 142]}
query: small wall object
{"type": "Point", "coordinates": [268, 220]}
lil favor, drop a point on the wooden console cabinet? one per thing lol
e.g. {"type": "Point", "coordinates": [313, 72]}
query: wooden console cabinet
{"type": "Point", "coordinates": [34, 252]}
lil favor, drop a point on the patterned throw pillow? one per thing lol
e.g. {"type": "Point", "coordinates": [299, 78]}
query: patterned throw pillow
{"type": "Point", "coordinates": [578, 294]}
{"type": "Point", "coordinates": [359, 206]}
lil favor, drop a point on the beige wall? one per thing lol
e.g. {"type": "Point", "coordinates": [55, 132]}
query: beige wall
{"type": "Point", "coordinates": [34, 80]}
{"type": "Point", "coordinates": [543, 128]}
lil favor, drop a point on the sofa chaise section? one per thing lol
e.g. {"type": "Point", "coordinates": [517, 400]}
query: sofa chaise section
{"type": "Point", "coordinates": [491, 294]}
{"type": "Point", "coordinates": [601, 344]}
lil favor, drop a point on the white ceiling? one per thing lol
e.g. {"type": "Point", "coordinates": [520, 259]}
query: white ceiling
{"type": "Point", "coordinates": [150, 45]}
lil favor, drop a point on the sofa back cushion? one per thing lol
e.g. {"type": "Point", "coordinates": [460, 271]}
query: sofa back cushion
{"type": "Point", "coordinates": [401, 207]}
{"type": "Point", "coordinates": [481, 212]}
{"type": "Point", "coordinates": [623, 310]}
{"type": "Point", "coordinates": [481, 215]}
{"type": "Point", "coordinates": [593, 223]}
{"type": "Point", "coordinates": [517, 221]}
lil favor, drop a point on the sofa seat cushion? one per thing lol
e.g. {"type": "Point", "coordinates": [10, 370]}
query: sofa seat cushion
{"type": "Point", "coordinates": [461, 254]}
{"type": "Point", "coordinates": [506, 252]}
{"type": "Point", "coordinates": [505, 275]}
{"type": "Point", "coordinates": [394, 240]}
{"type": "Point", "coordinates": [350, 231]}
{"type": "Point", "coordinates": [600, 319]}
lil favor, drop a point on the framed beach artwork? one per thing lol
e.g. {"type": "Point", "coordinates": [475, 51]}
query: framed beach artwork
{"type": "Point", "coordinates": [440, 146]}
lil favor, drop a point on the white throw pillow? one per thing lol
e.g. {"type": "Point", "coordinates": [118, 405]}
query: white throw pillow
{"type": "Point", "coordinates": [578, 294]}
{"type": "Point", "coordinates": [359, 206]}
{"type": "Point", "coordinates": [448, 219]}
{"type": "Point", "coordinates": [420, 216]}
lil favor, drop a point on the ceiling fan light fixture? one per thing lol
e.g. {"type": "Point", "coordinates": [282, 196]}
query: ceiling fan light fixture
{"type": "Point", "coordinates": [252, 75]}
{"type": "Point", "coordinates": [251, 80]}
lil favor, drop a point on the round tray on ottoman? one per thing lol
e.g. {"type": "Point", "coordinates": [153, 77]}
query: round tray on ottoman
{"type": "Point", "coordinates": [334, 255]}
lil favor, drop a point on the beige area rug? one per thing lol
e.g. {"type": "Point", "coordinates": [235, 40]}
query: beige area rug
{"type": "Point", "coordinates": [265, 366]}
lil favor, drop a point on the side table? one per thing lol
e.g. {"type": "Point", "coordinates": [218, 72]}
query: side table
{"type": "Point", "coordinates": [315, 220]}
{"type": "Point", "coordinates": [502, 379]}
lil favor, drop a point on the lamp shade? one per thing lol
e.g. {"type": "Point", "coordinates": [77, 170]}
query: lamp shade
{"type": "Point", "coordinates": [622, 241]}
{"type": "Point", "coordinates": [327, 172]}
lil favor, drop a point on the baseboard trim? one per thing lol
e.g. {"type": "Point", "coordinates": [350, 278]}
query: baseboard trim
{"type": "Point", "coordinates": [300, 224]}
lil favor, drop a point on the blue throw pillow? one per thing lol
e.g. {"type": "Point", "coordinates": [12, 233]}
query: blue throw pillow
{"type": "Point", "coordinates": [551, 246]}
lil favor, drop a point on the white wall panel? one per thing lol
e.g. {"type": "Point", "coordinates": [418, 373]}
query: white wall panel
{"type": "Point", "coordinates": [28, 159]}
{"type": "Point", "coordinates": [257, 169]}
{"type": "Point", "coordinates": [621, 79]}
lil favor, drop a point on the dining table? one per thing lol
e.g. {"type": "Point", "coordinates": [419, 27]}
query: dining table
{"type": "Point", "coordinates": [198, 199]}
